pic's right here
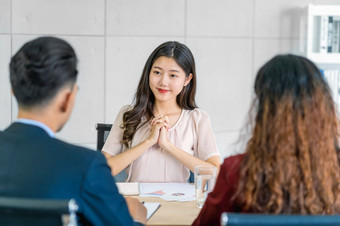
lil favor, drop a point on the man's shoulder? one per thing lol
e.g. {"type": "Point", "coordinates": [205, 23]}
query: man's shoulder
{"type": "Point", "coordinates": [81, 159]}
{"type": "Point", "coordinates": [34, 138]}
{"type": "Point", "coordinates": [72, 148]}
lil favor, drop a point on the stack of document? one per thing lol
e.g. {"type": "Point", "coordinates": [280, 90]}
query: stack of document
{"type": "Point", "coordinates": [131, 188]}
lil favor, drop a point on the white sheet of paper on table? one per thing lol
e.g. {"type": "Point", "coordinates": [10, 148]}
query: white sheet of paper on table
{"type": "Point", "coordinates": [168, 191]}
{"type": "Point", "coordinates": [151, 208]}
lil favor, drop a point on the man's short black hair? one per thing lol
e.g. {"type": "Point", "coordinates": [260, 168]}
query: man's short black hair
{"type": "Point", "coordinates": [40, 68]}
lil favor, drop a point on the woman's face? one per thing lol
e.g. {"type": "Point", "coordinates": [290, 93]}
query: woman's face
{"type": "Point", "coordinates": [167, 79]}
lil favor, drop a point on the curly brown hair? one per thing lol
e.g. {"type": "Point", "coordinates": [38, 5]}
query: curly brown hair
{"type": "Point", "coordinates": [292, 160]}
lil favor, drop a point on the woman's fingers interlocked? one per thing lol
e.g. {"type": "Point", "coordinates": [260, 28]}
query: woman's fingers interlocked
{"type": "Point", "coordinates": [158, 124]}
{"type": "Point", "coordinates": [162, 119]}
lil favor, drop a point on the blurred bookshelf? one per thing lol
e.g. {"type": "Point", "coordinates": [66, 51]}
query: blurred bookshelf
{"type": "Point", "coordinates": [322, 43]}
{"type": "Point", "coordinates": [323, 34]}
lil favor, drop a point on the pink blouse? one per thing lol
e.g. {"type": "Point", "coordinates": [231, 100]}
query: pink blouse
{"type": "Point", "coordinates": [191, 133]}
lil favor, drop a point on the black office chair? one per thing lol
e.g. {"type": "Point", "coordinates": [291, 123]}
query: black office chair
{"type": "Point", "coordinates": [103, 131]}
{"type": "Point", "coordinates": [248, 219]}
{"type": "Point", "coordinates": [23, 211]}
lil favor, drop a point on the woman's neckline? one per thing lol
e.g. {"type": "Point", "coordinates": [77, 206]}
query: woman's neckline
{"type": "Point", "coordinates": [178, 120]}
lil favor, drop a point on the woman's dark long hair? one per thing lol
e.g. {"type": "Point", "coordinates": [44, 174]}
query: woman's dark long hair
{"type": "Point", "coordinates": [144, 98]}
{"type": "Point", "coordinates": [291, 163]}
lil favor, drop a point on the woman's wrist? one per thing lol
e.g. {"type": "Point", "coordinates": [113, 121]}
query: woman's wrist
{"type": "Point", "coordinates": [149, 142]}
{"type": "Point", "coordinates": [166, 146]}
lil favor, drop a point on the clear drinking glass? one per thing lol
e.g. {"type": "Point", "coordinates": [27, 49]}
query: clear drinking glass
{"type": "Point", "coordinates": [205, 178]}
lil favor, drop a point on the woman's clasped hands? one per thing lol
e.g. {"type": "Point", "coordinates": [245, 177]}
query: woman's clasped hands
{"type": "Point", "coordinates": [159, 129]}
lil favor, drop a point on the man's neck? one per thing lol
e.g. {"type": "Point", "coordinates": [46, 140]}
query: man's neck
{"type": "Point", "coordinates": [39, 117]}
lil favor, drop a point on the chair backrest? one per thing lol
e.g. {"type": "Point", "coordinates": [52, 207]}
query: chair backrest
{"type": "Point", "coordinates": [23, 211]}
{"type": "Point", "coordinates": [103, 131]}
{"type": "Point", "coordinates": [243, 219]}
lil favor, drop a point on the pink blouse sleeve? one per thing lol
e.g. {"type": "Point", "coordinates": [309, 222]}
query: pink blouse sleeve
{"type": "Point", "coordinates": [113, 144]}
{"type": "Point", "coordinates": [205, 144]}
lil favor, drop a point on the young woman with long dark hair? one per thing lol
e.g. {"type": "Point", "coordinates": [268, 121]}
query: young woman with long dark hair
{"type": "Point", "coordinates": [163, 134]}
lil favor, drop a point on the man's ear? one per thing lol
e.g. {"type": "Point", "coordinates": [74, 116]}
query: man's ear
{"type": "Point", "coordinates": [187, 79]}
{"type": "Point", "coordinates": [67, 96]}
{"type": "Point", "coordinates": [65, 100]}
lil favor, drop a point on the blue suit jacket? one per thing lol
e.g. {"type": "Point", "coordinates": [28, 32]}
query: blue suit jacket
{"type": "Point", "coordinates": [34, 165]}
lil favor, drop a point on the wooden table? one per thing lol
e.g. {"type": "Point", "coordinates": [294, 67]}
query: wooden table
{"type": "Point", "coordinates": [172, 213]}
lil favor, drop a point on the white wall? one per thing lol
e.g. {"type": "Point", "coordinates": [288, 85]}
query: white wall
{"type": "Point", "coordinates": [230, 40]}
